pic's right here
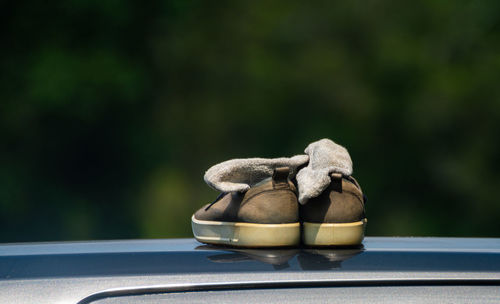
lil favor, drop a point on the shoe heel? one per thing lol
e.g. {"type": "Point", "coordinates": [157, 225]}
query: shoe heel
{"type": "Point", "coordinates": [241, 234]}
{"type": "Point", "coordinates": [334, 234]}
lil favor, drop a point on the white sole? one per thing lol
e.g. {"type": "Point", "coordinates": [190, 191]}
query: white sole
{"type": "Point", "coordinates": [246, 234]}
{"type": "Point", "coordinates": [334, 234]}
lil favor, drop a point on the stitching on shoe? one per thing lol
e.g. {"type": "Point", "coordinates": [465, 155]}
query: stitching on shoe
{"type": "Point", "coordinates": [264, 191]}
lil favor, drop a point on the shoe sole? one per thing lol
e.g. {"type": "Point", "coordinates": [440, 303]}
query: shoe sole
{"type": "Point", "coordinates": [246, 234]}
{"type": "Point", "coordinates": [334, 234]}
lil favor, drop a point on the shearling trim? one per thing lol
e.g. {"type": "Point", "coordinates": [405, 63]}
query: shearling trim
{"type": "Point", "coordinates": [325, 157]}
{"type": "Point", "coordinates": [241, 174]}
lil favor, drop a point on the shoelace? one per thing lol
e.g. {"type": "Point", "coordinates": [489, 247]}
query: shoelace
{"type": "Point", "coordinates": [216, 200]}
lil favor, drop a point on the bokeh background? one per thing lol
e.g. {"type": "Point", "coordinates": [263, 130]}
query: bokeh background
{"type": "Point", "coordinates": [111, 111]}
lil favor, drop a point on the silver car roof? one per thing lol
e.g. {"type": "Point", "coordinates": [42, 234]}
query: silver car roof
{"type": "Point", "coordinates": [72, 272]}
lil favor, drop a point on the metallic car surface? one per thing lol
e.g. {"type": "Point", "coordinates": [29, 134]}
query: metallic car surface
{"type": "Point", "coordinates": [89, 272]}
{"type": "Point", "coordinates": [382, 295]}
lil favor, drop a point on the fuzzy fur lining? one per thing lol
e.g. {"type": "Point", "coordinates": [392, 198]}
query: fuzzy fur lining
{"type": "Point", "coordinates": [241, 174]}
{"type": "Point", "coordinates": [325, 157]}
{"type": "Point", "coordinates": [322, 157]}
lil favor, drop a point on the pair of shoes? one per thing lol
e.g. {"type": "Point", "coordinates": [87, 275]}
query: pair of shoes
{"type": "Point", "coordinates": [269, 215]}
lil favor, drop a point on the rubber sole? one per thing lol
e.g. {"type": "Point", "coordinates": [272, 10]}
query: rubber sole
{"type": "Point", "coordinates": [246, 234]}
{"type": "Point", "coordinates": [334, 234]}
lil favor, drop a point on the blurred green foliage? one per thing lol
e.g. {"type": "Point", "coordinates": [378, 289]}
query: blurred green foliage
{"type": "Point", "coordinates": [111, 111]}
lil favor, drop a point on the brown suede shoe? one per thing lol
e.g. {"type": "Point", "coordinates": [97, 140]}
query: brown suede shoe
{"type": "Point", "coordinates": [267, 215]}
{"type": "Point", "coordinates": [337, 216]}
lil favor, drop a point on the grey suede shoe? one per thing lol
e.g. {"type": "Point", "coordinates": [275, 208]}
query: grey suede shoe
{"type": "Point", "coordinates": [267, 215]}
{"type": "Point", "coordinates": [337, 216]}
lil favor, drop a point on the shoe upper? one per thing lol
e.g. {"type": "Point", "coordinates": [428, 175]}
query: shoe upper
{"type": "Point", "coordinates": [341, 202]}
{"type": "Point", "coordinates": [272, 201]}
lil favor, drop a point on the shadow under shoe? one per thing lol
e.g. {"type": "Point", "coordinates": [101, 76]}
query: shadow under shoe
{"type": "Point", "coordinates": [325, 259]}
{"type": "Point", "coordinates": [266, 215]}
{"type": "Point", "coordinates": [337, 216]}
{"type": "Point", "coordinates": [278, 258]}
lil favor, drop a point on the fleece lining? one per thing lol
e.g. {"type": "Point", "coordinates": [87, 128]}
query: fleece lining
{"type": "Point", "coordinates": [241, 174]}
{"type": "Point", "coordinates": [322, 157]}
{"type": "Point", "coordinates": [325, 158]}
